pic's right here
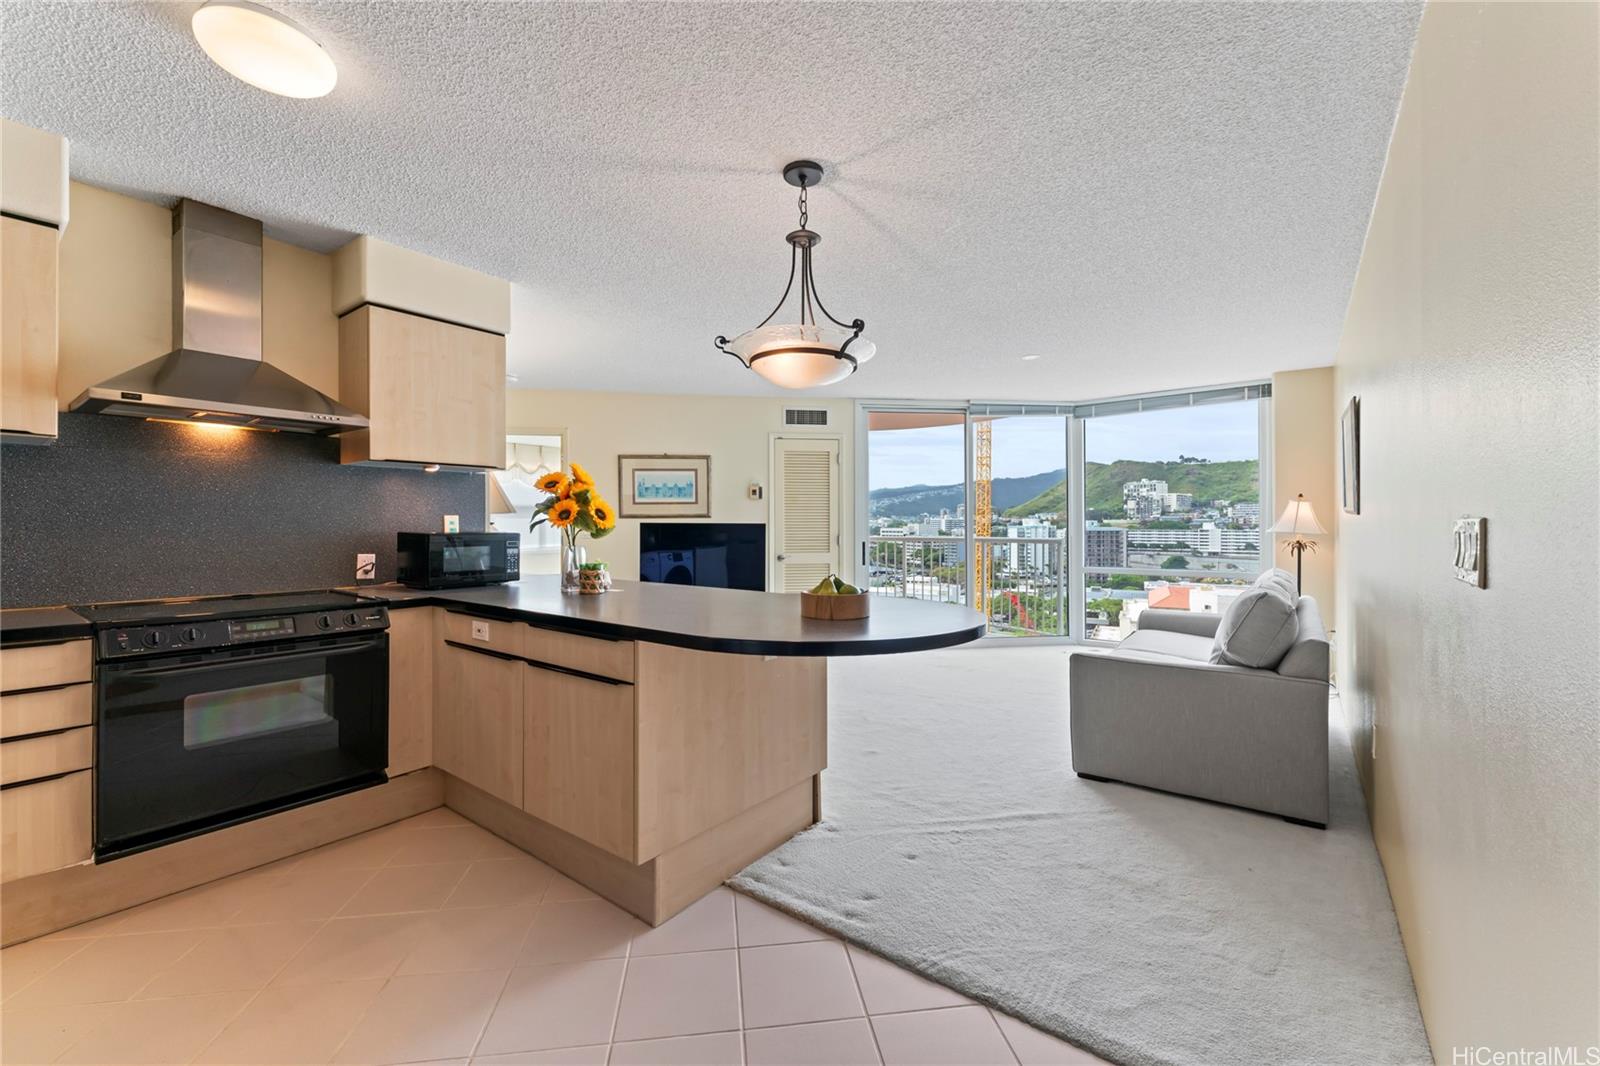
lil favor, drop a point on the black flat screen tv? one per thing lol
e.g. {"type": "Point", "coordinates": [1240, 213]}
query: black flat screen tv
{"type": "Point", "coordinates": [722, 555]}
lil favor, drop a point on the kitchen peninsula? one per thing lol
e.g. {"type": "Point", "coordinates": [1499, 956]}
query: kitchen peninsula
{"type": "Point", "coordinates": [648, 743]}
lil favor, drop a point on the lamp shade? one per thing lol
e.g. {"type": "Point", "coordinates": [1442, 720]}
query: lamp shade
{"type": "Point", "coordinates": [1298, 519]}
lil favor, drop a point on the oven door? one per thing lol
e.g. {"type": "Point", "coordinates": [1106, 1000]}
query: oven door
{"type": "Point", "coordinates": [190, 743]}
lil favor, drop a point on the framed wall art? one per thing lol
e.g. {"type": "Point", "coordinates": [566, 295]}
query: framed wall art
{"type": "Point", "coordinates": [664, 486]}
{"type": "Point", "coordinates": [1350, 456]}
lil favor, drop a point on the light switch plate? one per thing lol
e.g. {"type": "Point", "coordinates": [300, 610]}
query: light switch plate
{"type": "Point", "coordinates": [366, 566]}
{"type": "Point", "coordinates": [1472, 550]}
{"type": "Point", "coordinates": [480, 630]}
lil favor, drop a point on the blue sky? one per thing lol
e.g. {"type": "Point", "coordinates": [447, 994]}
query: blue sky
{"type": "Point", "coordinates": [1024, 446]}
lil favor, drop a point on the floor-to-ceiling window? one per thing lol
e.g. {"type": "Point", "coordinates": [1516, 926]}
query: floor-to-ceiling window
{"type": "Point", "coordinates": [1020, 519]}
{"type": "Point", "coordinates": [1172, 505]}
{"type": "Point", "coordinates": [916, 514]}
{"type": "Point", "coordinates": [1067, 520]}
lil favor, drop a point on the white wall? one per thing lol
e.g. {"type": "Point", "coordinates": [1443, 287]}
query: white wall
{"type": "Point", "coordinates": [1472, 341]}
{"type": "Point", "coordinates": [735, 431]}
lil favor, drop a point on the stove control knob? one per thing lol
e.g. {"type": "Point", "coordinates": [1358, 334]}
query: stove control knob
{"type": "Point", "coordinates": [352, 619]}
{"type": "Point", "coordinates": [192, 634]}
{"type": "Point", "coordinates": [155, 638]}
{"type": "Point", "coordinates": [324, 621]}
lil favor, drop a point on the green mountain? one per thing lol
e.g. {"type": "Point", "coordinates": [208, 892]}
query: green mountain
{"type": "Point", "coordinates": [909, 501]}
{"type": "Point", "coordinates": [1236, 482]}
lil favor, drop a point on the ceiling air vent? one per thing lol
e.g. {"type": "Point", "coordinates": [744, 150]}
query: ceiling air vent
{"type": "Point", "coordinates": [805, 416]}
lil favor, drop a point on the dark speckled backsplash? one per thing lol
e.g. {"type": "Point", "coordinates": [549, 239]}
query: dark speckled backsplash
{"type": "Point", "coordinates": [121, 508]}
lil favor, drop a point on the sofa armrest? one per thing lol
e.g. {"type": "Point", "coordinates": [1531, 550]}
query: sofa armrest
{"type": "Point", "coordinates": [1252, 738]}
{"type": "Point", "coordinates": [1191, 622]}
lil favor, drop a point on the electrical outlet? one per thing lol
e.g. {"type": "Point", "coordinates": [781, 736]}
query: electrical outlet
{"type": "Point", "coordinates": [366, 566]}
{"type": "Point", "coordinates": [452, 523]}
{"type": "Point", "coordinates": [480, 630]}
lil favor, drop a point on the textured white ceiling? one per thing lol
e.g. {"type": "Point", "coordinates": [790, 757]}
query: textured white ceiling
{"type": "Point", "coordinates": [1144, 195]}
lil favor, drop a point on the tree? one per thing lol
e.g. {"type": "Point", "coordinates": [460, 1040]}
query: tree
{"type": "Point", "coordinates": [1111, 608]}
{"type": "Point", "coordinates": [1175, 562]}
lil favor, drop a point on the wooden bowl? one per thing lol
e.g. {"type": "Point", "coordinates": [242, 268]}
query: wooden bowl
{"type": "Point", "coordinates": [835, 608]}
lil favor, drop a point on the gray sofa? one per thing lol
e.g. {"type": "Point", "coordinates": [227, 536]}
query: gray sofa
{"type": "Point", "coordinates": [1230, 707]}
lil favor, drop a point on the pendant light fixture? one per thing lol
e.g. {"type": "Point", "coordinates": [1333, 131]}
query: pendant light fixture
{"type": "Point", "coordinates": [805, 351]}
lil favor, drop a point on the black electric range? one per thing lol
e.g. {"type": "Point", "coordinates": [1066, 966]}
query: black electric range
{"type": "Point", "coordinates": [214, 711]}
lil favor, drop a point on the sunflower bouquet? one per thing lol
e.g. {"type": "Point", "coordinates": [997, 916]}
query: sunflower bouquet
{"type": "Point", "coordinates": [574, 507]}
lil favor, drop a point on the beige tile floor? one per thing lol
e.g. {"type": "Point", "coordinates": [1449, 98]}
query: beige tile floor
{"type": "Point", "coordinates": [434, 941]}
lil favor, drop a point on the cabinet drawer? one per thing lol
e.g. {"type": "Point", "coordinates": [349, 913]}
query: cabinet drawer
{"type": "Point", "coordinates": [45, 826]}
{"type": "Point", "coordinates": [483, 633]}
{"type": "Point", "coordinates": [42, 665]}
{"type": "Point", "coordinates": [591, 655]}
{"type": "Point", "coordinates": [22, 713]}
{"type": "Point", "coordinates": [578, 769]}
{"type": "Point", "coordinates": [46, 756]}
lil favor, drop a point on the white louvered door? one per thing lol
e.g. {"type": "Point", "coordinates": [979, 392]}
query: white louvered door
{"type": "Point", "coordinates": [805, 531]}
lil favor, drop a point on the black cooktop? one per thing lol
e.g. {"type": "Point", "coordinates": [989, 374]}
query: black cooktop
{"type": "Point", "coordinates": [180, 610]}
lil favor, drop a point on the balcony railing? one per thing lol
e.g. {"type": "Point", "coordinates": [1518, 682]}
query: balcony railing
{"type": "Point", "coordinates": [1026, 593]}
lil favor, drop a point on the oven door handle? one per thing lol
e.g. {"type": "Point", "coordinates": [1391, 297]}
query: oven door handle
{"type": "Point", "coordinates": [135, 670]}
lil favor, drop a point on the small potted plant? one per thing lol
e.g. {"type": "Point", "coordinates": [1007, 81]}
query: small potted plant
{"type": "Point", "coordinates": [574, 507]}
{"type": "Point", "coordinates": [593, 579]}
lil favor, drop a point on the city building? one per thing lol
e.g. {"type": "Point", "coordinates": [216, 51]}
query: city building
{"type": "Point", "coordinates": [1142, 499]}
{"type": "Point", "coordinates": [1176, 502]}
{"type": "Point", "coordinates": [1104, 545]}
{"type": "Point", "coordinates": [1206, 539]}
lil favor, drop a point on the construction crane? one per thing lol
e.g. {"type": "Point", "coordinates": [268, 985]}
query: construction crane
{"type": "Point", "coordinates": [983, 507]}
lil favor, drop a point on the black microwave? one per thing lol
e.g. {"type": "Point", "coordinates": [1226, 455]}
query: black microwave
{"type": "Point", "coordinates": [455, 560]}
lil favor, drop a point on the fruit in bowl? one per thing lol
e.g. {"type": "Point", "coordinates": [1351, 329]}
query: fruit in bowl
{"type": "Point", "coordinates": [834, 598]}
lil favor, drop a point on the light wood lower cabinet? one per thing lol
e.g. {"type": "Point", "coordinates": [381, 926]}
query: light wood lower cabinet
{"type": "Point", "coordinates": [477, 719]}
{"type": "Point", "coordinates": [46, 710]}
{"type": "Point", "coordinates": [45, 825]}
{"type": "Point", "coordinates": [411, 647]}
{"type": "Point", "coordinates": [578, 761]}
{"type": "Point", "coordinates": [30, 666]}
{"type": "Point", "coordinates": [29, 258]}
{"type": "Point", "coordinates": [29, 758]}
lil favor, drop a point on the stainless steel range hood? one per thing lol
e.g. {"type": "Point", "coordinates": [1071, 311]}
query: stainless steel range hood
{"type": "Point", "coordinates": [216, 375]}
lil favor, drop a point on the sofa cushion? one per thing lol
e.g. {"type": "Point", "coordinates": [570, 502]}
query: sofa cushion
{"type": "Point", "coordinates": [1279, 580]}
{"type": "Point", "coordinates": [1256, 630]}
{"type": "Point", "coordinates": [1166, 642]}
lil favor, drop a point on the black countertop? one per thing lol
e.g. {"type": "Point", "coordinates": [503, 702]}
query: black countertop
{"type": "Point", "coordinates": [726, 620]}
{"type": "Point", "coordinates": [35, 625]}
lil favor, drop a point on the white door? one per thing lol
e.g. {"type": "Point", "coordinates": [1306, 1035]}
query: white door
{"type": "Point", "coordinates": [805, 525]}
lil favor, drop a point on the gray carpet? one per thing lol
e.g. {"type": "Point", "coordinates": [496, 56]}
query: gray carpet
{"type": "Point", "coordinates": [1145, 927]}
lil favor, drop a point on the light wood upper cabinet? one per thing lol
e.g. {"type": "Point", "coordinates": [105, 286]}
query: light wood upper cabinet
{"type": "Point", "coordinates": [477, 719]}
{"type": "Point", "coordinates": [578, 772]}
{"type": "Point", "coordinates": [434, 392]}
{"type": "Point", "coordinates": [29, 258]}
{"type": "Point", "coordinates": [411, 645]}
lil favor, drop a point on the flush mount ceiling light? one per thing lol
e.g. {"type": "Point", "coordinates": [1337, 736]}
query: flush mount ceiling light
{"type": "Point", "coordinates": [264, 49]}
{"type": "Point", "coordinates": [803, 352]}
